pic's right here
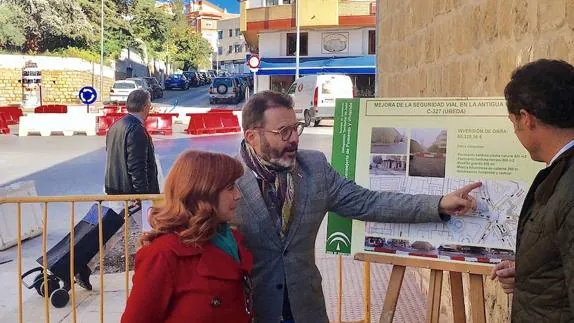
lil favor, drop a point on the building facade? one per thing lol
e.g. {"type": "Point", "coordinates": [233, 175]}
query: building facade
{"type": "Point", "coordinates": [231, 47]}
{"type": "Point", "coordinates": [337, 37]}
{"type": "Point", "coordinates": [203, 17]}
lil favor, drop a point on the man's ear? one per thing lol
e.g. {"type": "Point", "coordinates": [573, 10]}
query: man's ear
{"type": "Point", "coordinates": [251, 137]}
{"type": "Point", "coordinates": [528, 120]}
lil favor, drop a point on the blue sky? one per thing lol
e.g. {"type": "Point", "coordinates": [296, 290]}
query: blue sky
{"type": "Point", "coordinates": [231, 5]}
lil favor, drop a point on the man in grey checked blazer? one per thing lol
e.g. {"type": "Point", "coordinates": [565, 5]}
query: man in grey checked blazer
{"type": "Point", "coordinates": [286, 281]}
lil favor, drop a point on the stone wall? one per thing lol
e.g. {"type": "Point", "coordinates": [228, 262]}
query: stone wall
{"type": "Point", "coordinates": [466, 47]}
{"type": "Point", "coordinates": [62, 78]}
{"type": "Point", "coordinates": [446, 48]}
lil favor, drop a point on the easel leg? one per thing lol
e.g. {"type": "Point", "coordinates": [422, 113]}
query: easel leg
{"type": "Point", "coordinates": [367, 292]}
{"type": "Point", "coordinates": [392, 297]}
{"type": "Point", "coordinates": [477, 310]}
{"type": "Point", "coordinates": [433, 301]}
{"type": "Point", "coordinates": [457, 294]}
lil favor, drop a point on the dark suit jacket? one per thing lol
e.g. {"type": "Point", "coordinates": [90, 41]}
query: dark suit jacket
{"type": "Point", "coordinates": [544, 283]}
{"type": "Point", "coordinates": [130, 166]}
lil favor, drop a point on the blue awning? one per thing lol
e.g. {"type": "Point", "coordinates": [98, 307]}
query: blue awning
{"type": "Point", "coordinates": [318, 65]}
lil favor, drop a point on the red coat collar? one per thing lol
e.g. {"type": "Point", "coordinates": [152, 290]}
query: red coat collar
{"type": "Point", "coordinates": [213, 261]}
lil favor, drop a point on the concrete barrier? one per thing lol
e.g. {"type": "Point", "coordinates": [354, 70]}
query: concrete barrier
{"type": "Point", "coordinates": [31, 215]}
{"type": "Point", "coordinates": [49, 123]}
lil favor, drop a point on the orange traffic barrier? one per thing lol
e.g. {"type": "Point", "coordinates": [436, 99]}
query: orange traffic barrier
{"type": "Point", "coordinates": [3, 125]}
{"type": "Point", "coordinates": [111, 109]}
{"type": "Point", "coordinates": [160, 123]}
{"type": "Point", "coordinates": [212, 122]}
{"type": "Point", "coordinates": [52, 108]}
{"type": "Point", "coordinates": [11, 114]}
{"type": "Point", "coordinates": [106, 121]}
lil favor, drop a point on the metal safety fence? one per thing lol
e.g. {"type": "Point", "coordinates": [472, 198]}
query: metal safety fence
{"type": "Point", "coordinates": [43, 288]}
{"type": "Point", "coordinates": [73, 201]}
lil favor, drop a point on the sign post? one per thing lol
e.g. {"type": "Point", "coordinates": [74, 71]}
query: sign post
{"type": "Point", "coordinates": [253, 62]}
{"type": "Point", "coordinates": [88, 95]}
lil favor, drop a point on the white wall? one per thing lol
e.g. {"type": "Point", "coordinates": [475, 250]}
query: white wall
{"type": "Point", "coordinates": [55, 63]}
{"type": "Point", "coordinates": [274, 44]}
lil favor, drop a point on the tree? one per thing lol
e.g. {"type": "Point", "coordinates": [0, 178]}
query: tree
{"type": "Point", "coordinates": [13, 28]}
{"type": "Point", "coordinates": [52, 24]}
{"type": "Point", "coordinates": [187, 49]}
{"type": "Point", "coordinates": [151, 25]}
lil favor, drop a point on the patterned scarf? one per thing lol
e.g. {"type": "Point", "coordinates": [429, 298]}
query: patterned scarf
{"type": "Point", "coordinates": [277, 185]}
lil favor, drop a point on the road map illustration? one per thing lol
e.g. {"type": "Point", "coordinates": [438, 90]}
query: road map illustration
{"type": "Point", "coordinates": [492, 225]}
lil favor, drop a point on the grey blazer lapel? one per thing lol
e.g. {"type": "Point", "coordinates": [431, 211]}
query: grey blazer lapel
{"type": "Point", "coordinates": [301, 198]}
{"type": "Point", "coordinates": [254, 200]}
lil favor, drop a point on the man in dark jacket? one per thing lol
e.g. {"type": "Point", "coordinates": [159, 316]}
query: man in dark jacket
{"type": "Point", "coordinates": [130, 166]}
{"type": "Point", "coordinates": [540, 101]}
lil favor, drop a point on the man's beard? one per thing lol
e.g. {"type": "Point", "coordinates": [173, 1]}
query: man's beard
{"type": "Point", "coordinates": [276, 157]}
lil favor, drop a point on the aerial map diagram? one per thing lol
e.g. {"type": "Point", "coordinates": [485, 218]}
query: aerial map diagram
{"type": "Point", "coordinates": [493, 225]}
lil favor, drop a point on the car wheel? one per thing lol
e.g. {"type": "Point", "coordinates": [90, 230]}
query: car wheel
{"type": "Point", "coordinates": [307, 119]}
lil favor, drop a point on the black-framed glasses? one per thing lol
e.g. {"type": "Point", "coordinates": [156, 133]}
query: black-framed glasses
{"type": "Point", "coordinates": [247, 293]}
{"type": "Point", "coordinates": [286, 131]}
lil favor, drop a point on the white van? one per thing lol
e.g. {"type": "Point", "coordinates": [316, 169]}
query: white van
{"type": "Point", "coordinates": [314, 96]}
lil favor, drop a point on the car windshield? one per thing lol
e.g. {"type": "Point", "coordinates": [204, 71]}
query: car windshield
{"type": "Point", "coordinates": [176, 76]}
{"type": "Point", "coordinates": [227, 82]}
{"type": "Point", "coordinates": [124, 85]}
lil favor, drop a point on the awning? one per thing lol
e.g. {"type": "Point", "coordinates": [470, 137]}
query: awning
{"type": "Point", "coordinates": [318, 65]}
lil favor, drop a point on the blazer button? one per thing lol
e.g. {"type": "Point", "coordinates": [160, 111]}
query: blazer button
{"type": "Point", "coordinates": [279, 286]}
{"type": "Point", "coordinates": [215, 302]}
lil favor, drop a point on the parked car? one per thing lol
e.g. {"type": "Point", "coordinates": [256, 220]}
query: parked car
{"type": "Point", "coordinates": [225, 89]}
{"type": "Point", "coordinates": [192, 78]}
{"type": "Point", "coordinates": [176, 81]}
{"type": "Point", "coordinates": [121, 89]}
{"type": "Point", "coordinates": [314, 96]}
{"type": "Point", "coordinates": [204, 77]}
{"type": "Point", "coordinates": [141, 82]}
{"type": "Point", "coordinates": [157, 90]}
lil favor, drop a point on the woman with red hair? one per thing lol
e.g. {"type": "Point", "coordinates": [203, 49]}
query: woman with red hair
{"type": "Point", "coordinates": [192, 266]}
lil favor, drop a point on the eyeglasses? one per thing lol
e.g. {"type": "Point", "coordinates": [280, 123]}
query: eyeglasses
{"type": "Point", "coordinates": [247, 293]}
{"type": "Point", "coordinates": [286, 131]}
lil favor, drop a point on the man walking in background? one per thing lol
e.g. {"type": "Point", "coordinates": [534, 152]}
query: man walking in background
{"type": "Point", "coordinates": [131, 166]}
{"type": "Point", "coordinates": [540, 101]}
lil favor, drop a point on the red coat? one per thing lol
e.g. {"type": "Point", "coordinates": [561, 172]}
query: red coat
{"type": "Point", "coordinates": [174, 282]}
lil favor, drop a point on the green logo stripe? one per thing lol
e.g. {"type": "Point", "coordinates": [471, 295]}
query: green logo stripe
{"type": "Point", "coordinates": [339, 229]}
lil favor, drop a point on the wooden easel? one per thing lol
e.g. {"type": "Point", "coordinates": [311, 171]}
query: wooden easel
{"type": "Point", "coordinates": [476, 272]}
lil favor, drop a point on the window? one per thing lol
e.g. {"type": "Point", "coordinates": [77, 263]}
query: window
{"type": "Point", "coordinates": [220, 50]}
{"type": "Point", "coordinates": [230, 32]}
{"type": "Point", "coordinates": [292, 88]}
{"type": "Point", "coordinates": [272, 2]}
{"type": "Point", "coordinates": [230, 49]}
{"type": "Point", "coordinates": [238, 48]}
{"type": "Point", "coordinates": [237, 32]}
{"type": "Point", "coordinates": [372, 42]}
{"type": "Point", "coordinates": [292, 44]}
{"type": "Point", "coordinates": [220, 34]}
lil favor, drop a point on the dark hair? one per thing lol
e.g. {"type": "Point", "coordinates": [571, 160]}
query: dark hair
{"type": "Point", "coordinates": [137, 100]}
{"type": "Point", "coordinates": [253, 110]}
{"type": "Point", "coordinates": [544, 88]}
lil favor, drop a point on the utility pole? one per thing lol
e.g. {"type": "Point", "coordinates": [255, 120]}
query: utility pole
{"type": "Point", "coordinates": [298, 47]}
{"type": "Point", "coordinates": [102, 53]}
